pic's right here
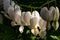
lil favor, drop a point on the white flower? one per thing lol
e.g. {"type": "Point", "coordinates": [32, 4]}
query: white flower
{"type": "Point", "coordinates": [46, 14]}
{"type": "Point", "coordinates": [35, 14]}
{"type": "Point", "coordinates": [10, 12]}
{"type": "Point", "coordinates": [6, 4]}
{"type": "Point", "coordinates": [34, 22]}
{"type": "Point", "coordinates": [8, 8]}
{"type": "Point", "coordinates": [12, 3]}
{"type": "Point", "coordinates": [21, 29]}
{"type": "Point", "coordinates": [17, 9]}
{"type": "Point", "coordinates": [35, 19]}
{"type": "Point", "coordinates": [35, 31]}
{"type": "Point", "coordinates": [22, 18]}
{"type": "Point", "coordinates": [42, 24]}
{"type": "Point", "coordinates": [56, 14]}
{"type": "Point", "coordinates": [27, 17]}
{"type": "Point", "coordinates": [17, 15]}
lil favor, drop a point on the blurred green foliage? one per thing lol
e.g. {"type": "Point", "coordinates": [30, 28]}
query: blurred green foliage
{"type": "Point", "coordinates": [7, 32]}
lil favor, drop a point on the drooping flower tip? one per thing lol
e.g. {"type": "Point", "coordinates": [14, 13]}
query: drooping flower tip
{"type": "Point", "coordinates": [21, 29]}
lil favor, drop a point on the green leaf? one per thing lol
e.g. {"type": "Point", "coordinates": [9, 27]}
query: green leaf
{"type": "Point", "coordinates": [54, 37]}
{"type": "Point", "coordinates": [28, 31]}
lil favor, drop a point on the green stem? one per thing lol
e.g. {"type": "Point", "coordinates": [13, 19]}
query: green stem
{"type": "Point", "coordinates": [48, 3]}
{"type": "Point", "coordinates": [55, 3]}
{"type": "Point", "coordinates": [28, 6]}
{"type": "Point", "coordinates": [48, 26]}
{"type": "Point", "coordinates": [31, 10]}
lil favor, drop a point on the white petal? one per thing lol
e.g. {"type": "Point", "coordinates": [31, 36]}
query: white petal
{"type": "Point", "coordinates": [12, 3]}
{"type": "Point", "coordinates": [52, 12]}
{"type": "Point", "coordinates": [42, 24]}
{"type": "Point", "coordinates": [32, 30]}
{"type": "Point", "coordinates": [33, 22]}
{"type": "Point", "coordinates": [17, 10]}
{"type": "Point", "coordinates": [17, 7]}
{"type": "Point", "coordinates": [21, 29]}
{"type": "Point", "coordinates": [17, 19]}
{"type": "Point", "coordinates": [11, 12]}
{"type": "Point", "coordinates": [27, 17]}
{"type": "Point", "coordinates": [46, 14]}
{"type": "Point", "coordinates": [57, 13]}
{"type": "Point", "coordinates": [13, 23]}
{"type": "Point", "coordinates": [6, 4]}
{"type": "Point", "coordinates": [36, 14]}
{"type": "Point", "coordinates": [22, 18]}
{"type": "Point", "coordinates": [35, 33]}
{"type": "Point", "coordinates": [42, 34]}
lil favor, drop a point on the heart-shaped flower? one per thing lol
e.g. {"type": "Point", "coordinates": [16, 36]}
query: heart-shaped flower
{"type": "Point", "coordinates": [48, 15]}
{"type": "Point", "coordinates": [16, 16]}
{"type": "Point", "coordinates": [34, 22]}
{"type": "Point", "coordinates": [27, 17]}
{"type": "Point", "coordinates": [55, 23]}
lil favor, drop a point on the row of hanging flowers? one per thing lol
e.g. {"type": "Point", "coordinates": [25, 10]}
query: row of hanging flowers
{"type": "Point", "coordinates": [38, 22]}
